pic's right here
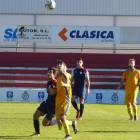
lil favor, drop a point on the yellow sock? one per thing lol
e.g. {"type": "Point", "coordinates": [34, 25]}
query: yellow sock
{"type": "Point", "coordinates": [135, 110]}
{"type": "Point", "coordinates": [130, 112]}
{"type": "Point", "coordinates": [69, 122]}
{"type": "Point", "coordinates": [59, 126]}
{"type": "Point", "coordinates": [66, 128]}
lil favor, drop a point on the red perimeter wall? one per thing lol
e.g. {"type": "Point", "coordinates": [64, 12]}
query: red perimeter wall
{"type": "Point", "coordinates": [39, 59]}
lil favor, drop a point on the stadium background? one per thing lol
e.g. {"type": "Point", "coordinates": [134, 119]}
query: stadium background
{"type": "Point", "coordinates": [105, 70]}
{"type": "Point", "coordinates": [120, 13]}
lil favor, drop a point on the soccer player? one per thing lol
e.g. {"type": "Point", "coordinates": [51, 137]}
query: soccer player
{"type": "Point", "coordinates": [63, 100]}
{"type": "Point", "coordinates": [131, 79]}
{"type": "Point", "coordinates": [79, 75]}
{"type": "Point", "coordinates": [47, 107]}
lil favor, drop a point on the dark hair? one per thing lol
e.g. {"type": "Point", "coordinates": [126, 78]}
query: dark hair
{"type": "Point", "coordinates": [53, 69]}
{"type": "Point", "coordinates": [79, 59]}
{"type": "Point", "coordinates": [61, 62]}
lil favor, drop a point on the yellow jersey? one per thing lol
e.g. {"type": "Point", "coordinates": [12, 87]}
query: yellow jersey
{"type": "Point", "coordinates": [64, 77]}
{"type": "Point", "coordinates": [131, 78]}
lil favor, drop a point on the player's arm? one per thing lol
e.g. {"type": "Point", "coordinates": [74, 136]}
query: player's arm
{"type": "Point", "coordinates": [65, 84]}
{"type": "Point", "coordinates": [66, 81]}
{"type": "Point", "coordinates": [122, 82]}
{"type": "Point", "coordinates": [88, 85]}
{"type": "Point", "coordinates": [139, 77]}
{"type": "Point", "coordinates": [88, 82]}
{"type": "Point", "coordinates": [52, 91]}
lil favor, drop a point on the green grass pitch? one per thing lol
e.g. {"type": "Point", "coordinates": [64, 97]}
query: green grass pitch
{"type": "Point", "coordinates": [100, 122]}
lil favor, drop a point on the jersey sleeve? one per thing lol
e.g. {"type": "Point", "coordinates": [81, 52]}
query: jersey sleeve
{"type": "Point", "coordinates": [72, 73]}
{"type": "Point", "coordinates": [86, 73]}
{"type": "Point", "coordinates": [124, 76]}
{"type": "Point", "coordinates": [69, 76]}
{"type": "Point", "coordinates": [66, 78]}
{"type": "Point", "coordinates": [54, 83]}
{"type": "Point", "coordinates": [138, 75]}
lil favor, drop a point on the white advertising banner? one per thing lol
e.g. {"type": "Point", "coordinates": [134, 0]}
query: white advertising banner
{"type": "Point", "coordinates": [39, 95]}
{"type": "Point", "coordinates": [84, 34]}
{"type": "Point", "coordinates": [22, 95]}
{"type": "Point", "coordinates": [34, 33]}
{"type": "Point", "coordinates": [8, 33]}
{"type": "Point", "coordinates": [107, 97]}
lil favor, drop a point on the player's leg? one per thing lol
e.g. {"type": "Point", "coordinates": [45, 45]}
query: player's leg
{"type": "Point", "coordinates": [74, 96]}
{"type": "Point", "coordinates": [128, 103]}
{"type": "Point", "coordinates": [49, 121]}
{"type": "Point", "coordinates": [36, 116]}
{"type": "Point", "coordinates": [59, 123]}
{"type": "Point", "coordinates": [133, 103]}
{"type": "Point", "coordinates": [63, 112]}
{"type": "Point", "coordinates": [41, 110]}
{"type": "Point", "coordinates": [65, 124]}
{"type": "Point", "coordinates": [81, 95]}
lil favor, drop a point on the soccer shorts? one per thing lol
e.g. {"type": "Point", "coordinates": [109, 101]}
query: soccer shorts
{"type": "Point", "coordinates": [62, 106]}
{"type": "Point", "coordinates": [131, 95]}
{"type": "Point", "coordinates": [45, 109]}
{"type": "Point", "coordinates": [79, 92]}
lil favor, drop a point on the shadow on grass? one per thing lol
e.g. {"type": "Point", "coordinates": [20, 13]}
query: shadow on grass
{"type": "Point", "coordinates": [112, 131]}
{"type": "Point", "coordinates": [14, 137]}
{"type": "Point", "coordinates": [25, 137]}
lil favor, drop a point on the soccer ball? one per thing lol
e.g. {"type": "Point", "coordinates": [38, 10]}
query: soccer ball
{"type": "Point", "coordinates": [50, 4]}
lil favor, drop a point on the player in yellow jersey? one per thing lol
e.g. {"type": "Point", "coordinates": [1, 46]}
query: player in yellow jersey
{"type": "Point", "coordinates": [63, 100]}
{"type": "Point", "coordinates": [131, 79]}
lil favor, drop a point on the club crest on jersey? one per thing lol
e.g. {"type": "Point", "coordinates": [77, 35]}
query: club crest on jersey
{"type": "Point", "coordinates": [81, 72]}
{"type": "Point", "coordinates": [134, 73]}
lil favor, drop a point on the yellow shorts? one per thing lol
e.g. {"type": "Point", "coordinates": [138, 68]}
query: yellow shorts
{"type": "Point", "coordinates": [130, 98]}
{"type": "Point", "coordinates": [62, 107]}
{"type": "Point", "coordinates": [131, 94]}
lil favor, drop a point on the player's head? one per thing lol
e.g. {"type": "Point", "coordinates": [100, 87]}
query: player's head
{"type": "Point", "coordinates": [131, 63]}
{"type": "Point", "coordinates": [79, 63]}
{"type": "Point", "coordinates": [51, 72]}
{"type": "Point", "coordinates": [60, 65]}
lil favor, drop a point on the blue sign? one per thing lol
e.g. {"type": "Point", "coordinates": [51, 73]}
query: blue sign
{"type": "Point", "coordinates": [41, 95]}
{"type": "Point", "coordinates": [9, 94]}
{"type": "Point", "coordinates": [10, 35]}
{"type": "Point", "coordinates": [99, 96]}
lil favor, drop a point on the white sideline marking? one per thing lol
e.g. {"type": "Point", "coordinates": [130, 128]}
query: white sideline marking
{"type": "Point", "coordinates": [124, 116]}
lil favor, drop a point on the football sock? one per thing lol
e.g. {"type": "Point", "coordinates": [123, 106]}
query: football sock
{"type": "Point", "coordinates": [81, 109]}
{"type": "Point", "coordinates": [66, 127]}
{"type": "Point", "coordinates": [135, 110]}
{"type": "Point", "coordinates": [130, 112]}
{"type": "Point", "coordinates": [36, 126]}
{"type": "Point", "coordinates": [53, 122]}
{"type": "Point", "coordinates": [69, 122]}
{"type": "Point", "coordinates": [75, 106]}
{"type": "Point", "coordinates": [59, 126]}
